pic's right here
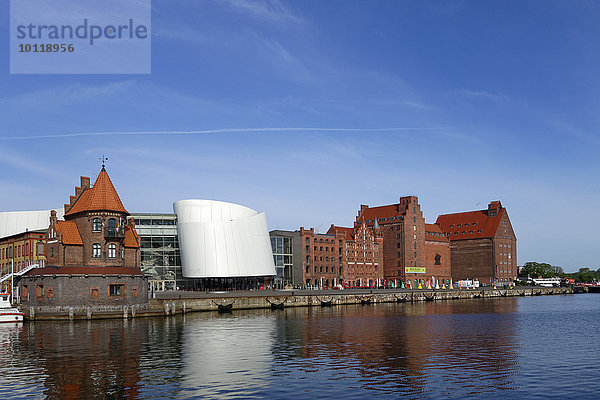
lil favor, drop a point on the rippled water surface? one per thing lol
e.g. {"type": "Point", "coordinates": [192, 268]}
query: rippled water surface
{"type": "Point", "coordinates": [533, 347]}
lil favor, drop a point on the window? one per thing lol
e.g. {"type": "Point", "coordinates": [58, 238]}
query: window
{"type": "Point", "coordinates": [112, 250]}
{"type": "Point", "coordinates": [96, 250]}
{"type": "Point", "coordinates": [451, 226]}
{"type": "Point", "coordinates": [115, 290]}
{"type": "Point", "coordinates": [134, 291]}
{"type": "Point", "coordinates": [307, 269]}
{"type": "Point", "coordinates": [415, 254]}
{"type": "Point", "coordinates": [39, 291]}
{"type": "Point", "coordinates": [95, 292]}
{"type": "Point", "coordinates": [307, 260]}
{"type": "Point", "coordinates": [438, 259]}
{"type": "Point", "coordinates": [307, 241]}
{"type": "Point", "coordinates": [96, 225]}
{"type": "Point", "coordinates": [112, 227]}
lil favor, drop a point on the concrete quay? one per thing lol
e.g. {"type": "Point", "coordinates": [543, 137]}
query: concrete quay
{"type": "Point", "coordinates": [180, 302]}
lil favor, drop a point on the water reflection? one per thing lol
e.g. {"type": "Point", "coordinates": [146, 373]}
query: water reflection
{"type": "Point", "coordinates": [456, 349]}
{"type": "Point", "coordinates": [405, 348]}
{"type": "Point", "coordinates": [226, 356]}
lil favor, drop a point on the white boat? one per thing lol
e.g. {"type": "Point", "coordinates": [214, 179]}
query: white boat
{"type": "Point", "coordinates": [547, 282]}
{"type": "Point", "coordinates": [7, 312]}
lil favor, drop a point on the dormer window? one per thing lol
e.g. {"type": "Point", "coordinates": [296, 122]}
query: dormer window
{"type": "Point", "coordinates": [96, 225]}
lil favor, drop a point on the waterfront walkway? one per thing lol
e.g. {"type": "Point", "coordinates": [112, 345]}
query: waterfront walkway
{"type": "Point", "coordinates": [181, 302]}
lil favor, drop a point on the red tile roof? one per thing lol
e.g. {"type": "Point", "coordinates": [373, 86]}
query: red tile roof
{"type": "Point", "coordinates": [470, 225]}
{"type": "Point", "coordinates": [348, 232]}
{"type": "Point", "coordinates": [131, 237]}
{"type": "Point", "coordinates": [85, 270]}
{"type": "Point", "coordinates": [434, 233]}
{"type": "Point", "coordinates": [100, 197]}
{"type": "Point", "coordinates": [69, 231]}
{"type": "Point", "coordinates": [391, 210]}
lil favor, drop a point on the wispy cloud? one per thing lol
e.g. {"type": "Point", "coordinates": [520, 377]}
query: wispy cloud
{"type": "Point", "coordinates": [64, 95]}
{"type": "Point", "coordinates": [218, 131]}
{"type": "Point", "coordinates": [269, 10]}
{"type": "Point", "coordinates": [482, 94]}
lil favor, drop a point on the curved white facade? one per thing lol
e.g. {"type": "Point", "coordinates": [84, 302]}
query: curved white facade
{"type": "Point", "coordinates": [15, 222]}
{"type": "Point", "coordinates": [221, 240]}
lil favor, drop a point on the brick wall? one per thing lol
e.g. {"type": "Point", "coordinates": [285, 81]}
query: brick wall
{"type": "Point", "coordinates": [79, 290]}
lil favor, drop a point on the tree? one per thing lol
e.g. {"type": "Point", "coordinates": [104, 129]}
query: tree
{"type": "Point", "coordinates": [541, 270]}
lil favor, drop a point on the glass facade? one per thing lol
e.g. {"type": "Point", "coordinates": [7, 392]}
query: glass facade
{"type": "Point", "coordinates": [160, 255]}
{"type": "Point", "coordinates": [283, 257]}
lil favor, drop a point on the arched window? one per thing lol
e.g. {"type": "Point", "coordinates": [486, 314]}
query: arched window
{"type": "Point", "coordinates": [96, 250]}
{"type": "Point", "coordinates": [96, 225]}
{"type": "Point", "coordinates": [112, 250]}
{"type": "Point", "coordinates": [112, 227]}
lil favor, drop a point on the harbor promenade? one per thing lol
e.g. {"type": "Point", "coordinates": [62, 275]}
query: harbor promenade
{"type": "Point", "coordinates": [181, 302]}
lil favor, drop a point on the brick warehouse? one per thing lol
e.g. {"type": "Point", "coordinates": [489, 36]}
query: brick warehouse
{"type": "Point", "coordinates": [92, 256]}
{"type": "Point", "coordinates": [483, 244]}
{"type": "Point", "coordinates": [413, 251]}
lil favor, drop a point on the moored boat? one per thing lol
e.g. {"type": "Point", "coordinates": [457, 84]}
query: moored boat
{"type": "Point", "coordinates": [7, 312]}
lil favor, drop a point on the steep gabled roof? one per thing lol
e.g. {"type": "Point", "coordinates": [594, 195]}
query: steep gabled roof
{"type": "Point", "coordinates": [100, 197]}
{"type": "Point", "coordinates": [347, 232]}
{"type": "Point", "coordinates": [131, 237]}
{"type": "Point", "coordinates": [471, 224]}
{"type": "Point", "coordinates": [69, 231]}
{"type": "Point", "coordinates": [381, 212]}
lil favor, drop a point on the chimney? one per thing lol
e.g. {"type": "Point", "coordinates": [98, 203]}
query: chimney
{"type": "Point", "coordinates": [493, 208]}
{"type": "Point", "coordinates": [53, 218]}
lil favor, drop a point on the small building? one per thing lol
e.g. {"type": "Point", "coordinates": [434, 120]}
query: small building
{"type": "Point", "coordinates": [483, 244]}
{"type": "Point", "coordinates": [92, 255]}
{"type": "Point", "coordinates": [21, 243]}
{"type": "Point", "coordinates": [287, 256]}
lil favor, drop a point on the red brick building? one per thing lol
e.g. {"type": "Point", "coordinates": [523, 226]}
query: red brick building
{"type": "Point", "coordinates": [483, 244]}
{"type": "Point", "coordinates": [362, 254]}
{"type": "Point", "coordinates": [92, 256]}
{"type": "Point", "coordinates": [343, 256]}
{"type": "Point", "coordinates": [322, 258]}
{"type": "Point", "coordinates": [407, 256]}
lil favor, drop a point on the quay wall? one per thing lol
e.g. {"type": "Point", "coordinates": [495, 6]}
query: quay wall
{"type": "Point", "coordinates": [183, 302]}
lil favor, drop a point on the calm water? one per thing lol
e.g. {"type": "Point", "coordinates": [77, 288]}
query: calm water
{"type": "Point", "coordinates": [534, 347]}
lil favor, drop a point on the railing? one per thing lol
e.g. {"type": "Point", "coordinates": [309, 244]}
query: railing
{"type": "Point", "coordinates": [21, 272]}
{"type": "Point", "coordinates": [116, 233]}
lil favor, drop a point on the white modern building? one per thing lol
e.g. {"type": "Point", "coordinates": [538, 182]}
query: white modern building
{"type": "Point", "coordinates": [15, 222]}
{"type": "Point", "coordinates": [223, 240]}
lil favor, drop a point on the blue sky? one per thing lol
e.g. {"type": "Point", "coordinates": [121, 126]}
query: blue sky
{"type": "Point", "coordinates": [488, 101]}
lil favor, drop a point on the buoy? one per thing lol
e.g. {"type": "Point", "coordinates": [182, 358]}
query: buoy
{"type": "Point", "coordinates": [403, 287]}
{"type": "Point", "coordinates": [451, 287]}
{"type": "Point", "coordinates": [494, 286]}
{"type": "Point", "coordinates": [419, 287]}
{"type": "Point", "coordinates": [428, 285]}
{"type": "Point", "coordinates": [437, 285]}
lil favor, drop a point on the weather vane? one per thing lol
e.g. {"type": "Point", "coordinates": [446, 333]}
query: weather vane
{"type": "Point", "coordinates": [104, 160]}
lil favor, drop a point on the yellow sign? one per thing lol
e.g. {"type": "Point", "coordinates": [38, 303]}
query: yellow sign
{"type": "Point", "coordinates": [415, 270]}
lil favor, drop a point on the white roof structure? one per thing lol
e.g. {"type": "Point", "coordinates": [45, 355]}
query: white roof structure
{"type": "Point", "coordinates": [221, 240]}
{"type": "Point", "coordinates": [15, 222]}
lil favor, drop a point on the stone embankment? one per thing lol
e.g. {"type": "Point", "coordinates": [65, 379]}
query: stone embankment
{"type": "Point", "coordinates": [171, 303]}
